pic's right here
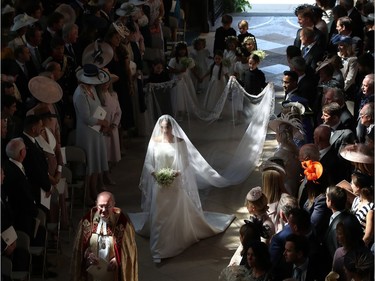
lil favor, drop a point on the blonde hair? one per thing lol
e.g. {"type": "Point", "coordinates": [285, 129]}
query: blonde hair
{"type": "Point", "coordinates": [272, 185]}
{"type": "Point", "coordinates": [243, 23]}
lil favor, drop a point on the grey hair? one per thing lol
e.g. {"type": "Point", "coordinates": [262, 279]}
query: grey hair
{"type": "Point", "coordinates": [286, 203]}
{"type": "Point", "coordinates": [14, 148]}
{"type": "Point", "coordinates": [67, 28]}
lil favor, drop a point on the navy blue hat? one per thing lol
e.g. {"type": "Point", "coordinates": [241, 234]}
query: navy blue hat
{"type": "Point", "coordinates": [341, 39]}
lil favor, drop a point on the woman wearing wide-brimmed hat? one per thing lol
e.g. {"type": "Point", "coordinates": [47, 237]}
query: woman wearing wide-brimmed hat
{"type": "Point", "coordinates": [90, 123]}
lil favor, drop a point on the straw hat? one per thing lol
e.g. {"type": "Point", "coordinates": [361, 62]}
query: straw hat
{"type": "Point", "coordinates": [99, 53]}
{"type": "Point", "coordinates": [68, 13]}
{"type": "Point", "coordinates": [323, 64]}
{"type": "Point", "coordinates": [43, 111]}
{"type": "Point", "coordinates": [92, 75]}
{"type": "Point", "coordinates": [22, 20]}
{"type": "Point", "coordinates": [45, 89]}
{"type": "Point", "coordinates": [121, 29]}
{"type": "Point", "coordinates": [359, 153]}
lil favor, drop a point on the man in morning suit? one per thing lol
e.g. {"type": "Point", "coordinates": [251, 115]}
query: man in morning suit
{"type": "Point", "coordinates": [35, 163]}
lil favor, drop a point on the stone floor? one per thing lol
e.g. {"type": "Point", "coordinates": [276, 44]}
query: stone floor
{"type": "Point", "coordinates": [204, 260]}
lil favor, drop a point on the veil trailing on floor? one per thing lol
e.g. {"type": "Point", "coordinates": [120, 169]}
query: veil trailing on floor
{"type": "Point", "coordinates": [230, 151]}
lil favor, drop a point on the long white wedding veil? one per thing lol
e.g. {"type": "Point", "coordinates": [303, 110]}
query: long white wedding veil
{"type": "Point", "coordinates": [240, 163]}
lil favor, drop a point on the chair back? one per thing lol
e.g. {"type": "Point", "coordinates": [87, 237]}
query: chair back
{"type": "Point", "coordinates": [76, 162]}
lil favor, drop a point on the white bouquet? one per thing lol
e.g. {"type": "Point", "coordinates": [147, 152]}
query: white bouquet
{"type": "Point", "coordinates": [226, 62]}
{"type": "Point", "coordinates": [165, 177]}
{"type": "Point", "coordinates": [186, 62]}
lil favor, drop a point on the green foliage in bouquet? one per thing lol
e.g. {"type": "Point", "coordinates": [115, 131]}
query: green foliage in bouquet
{"type": "Point", "coordinates": [165, 177]}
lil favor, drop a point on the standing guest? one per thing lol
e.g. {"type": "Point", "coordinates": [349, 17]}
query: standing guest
{"type": "Point", "coordinates": [168, 182]}
{"type": "Point", "coordinates": [355, 17]}
{"type": "Point", "coordinates": [109, 101]}
{"type": "Point", "coordinates": [344, 27]}
{"type": "Point", "coordinates": [359, 265]}
{"type": "Point", "coordinates": [257, 266]}
{"type": "Point", "coordinates": [297, 252]}
{"type": "Point", "coordinates": [36, 166]}
{"type": "Point", "coordinates": [249, 232]}
{"type": "Point", "coordinates": [201, 56]}
{"type": "Point", "coordinates": [55, 23]}
{"type": "Point", "coordinates": [366, 115]}
{"type": "Point", "coordinates": [183, 96]}
{"type": "Point", "coordinates": [287, 150]}
{"type": "Point", "coordinates": [223, 32]}
{"type": "Point", "coordinates": [349, 63]}
{"type": "Point", "coordinates": [119, 65]}
{"type": "Point", "coordinates": [312, 53]}
{"type": "Point", "coordinates": [91, 124]}
{"type": "Point", "coordinates": [254, 78]}
{"type": "Point", "coordinates": [273, 188]}
{"type": "Point", "coordinates": [70, 36]}
{"type": "Point", "coordinates": [363, 205]}
{"type": "Point", "coordinates": [19, 194]}
{"type": "Point", "coordinates": [33, 38]}
{"type": "Point", "coordinates": [327, 155]}
{"type": "Point", "coordinates": [349, 238]}
{"type": "Point", "coordinates": [249, 43]}
{"type": "Point", "coordinates": [307, 81]}
{"type": "Point", "coordinates": [229, 54]}
{"type": "Point", "coordinates": [20, 26]}
{"type": "Point", "coordinates": [305, 16]}
{"type": "Point", "coordinates": [218, 74]}
{"type": "Point", "coordinates": [105, 236]}
{"type": "Point", "coordinates": [336, 200]}
{"type": "Point", "coordinates": [243, 27]}
{"type": "Point", "coordinates": [256, 204]}
{"type": "Point", "coordinates": [366, 94]}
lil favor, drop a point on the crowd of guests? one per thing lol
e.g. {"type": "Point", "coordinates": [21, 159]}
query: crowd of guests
{"type": "Point", "coordinates": [60, 62]}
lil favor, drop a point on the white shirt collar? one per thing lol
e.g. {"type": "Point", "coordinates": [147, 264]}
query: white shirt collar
{"type": "Point", "coordinates": [30, 137]}
{"type": "Point", "coordinates": [323, 152]}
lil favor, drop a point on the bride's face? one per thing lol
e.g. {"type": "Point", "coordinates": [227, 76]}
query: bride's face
{"type": "Point", "coordinates": [166, 128]}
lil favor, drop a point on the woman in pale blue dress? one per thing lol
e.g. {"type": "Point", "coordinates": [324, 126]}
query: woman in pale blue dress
{"type": "Point", "coordinates": [88, 132]}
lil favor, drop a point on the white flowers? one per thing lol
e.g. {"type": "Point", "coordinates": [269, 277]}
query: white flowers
{"type": "Point", "coordinates": [186, 61]}
{"type": "Point", "coordinates": [165, 177]}
{"type": "Point", "coordinates": [235, 273]}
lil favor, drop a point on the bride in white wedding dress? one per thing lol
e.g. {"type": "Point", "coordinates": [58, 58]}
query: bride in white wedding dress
{"type": "Point", "coordinates": [172, 215]}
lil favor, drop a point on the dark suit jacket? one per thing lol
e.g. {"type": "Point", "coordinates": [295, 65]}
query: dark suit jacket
{"type": "Point", "coordinates": [280, 268]}
{"type": "Point", "coordinates": [36, 168]}
{"type": "Point", "coordinates": [319, 215]}
{"type": "Point", "coordinates": [220, 35]}
{"type": "Point", "coordinates": [357, 23]}
{"type": "Point", "coordinates": [22, 81]}
{"type": "Point", "coordinates": [307, 87]}
{"type": "Point", "coordinates": [328, 161]}
{"type": "Point", "coordinates": [21, 202]}
{"type": "Point", "coordinates": [314, 55]}
{"type": "Point", "coordinates": [347, 118]}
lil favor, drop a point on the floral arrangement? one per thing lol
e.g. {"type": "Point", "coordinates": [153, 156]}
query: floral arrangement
{"type": "Point", "coordinates": [260, 53]}
{"type": "Point", "coordinates": [165, 177]}
{"type": "Point", "coordinates": [186, 61]}
{"type": "Point", "coordinates": [235, 273]}
{"type": "Point", "coordinates": [313, 170]}
{"type": "Point", "coordinates": [226, 62]}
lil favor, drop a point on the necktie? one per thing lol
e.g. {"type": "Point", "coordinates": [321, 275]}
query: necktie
{"type": "Point", "coordinates": [25, 70]}
{"type": "Point", "coordinates": [297, 274]}
{"type": "Point", "coordinates": [306, 50]}
{"type": "Point", "coordinates": [71, 51]}
{"type": "Point", "coordinates": [37, 55]}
